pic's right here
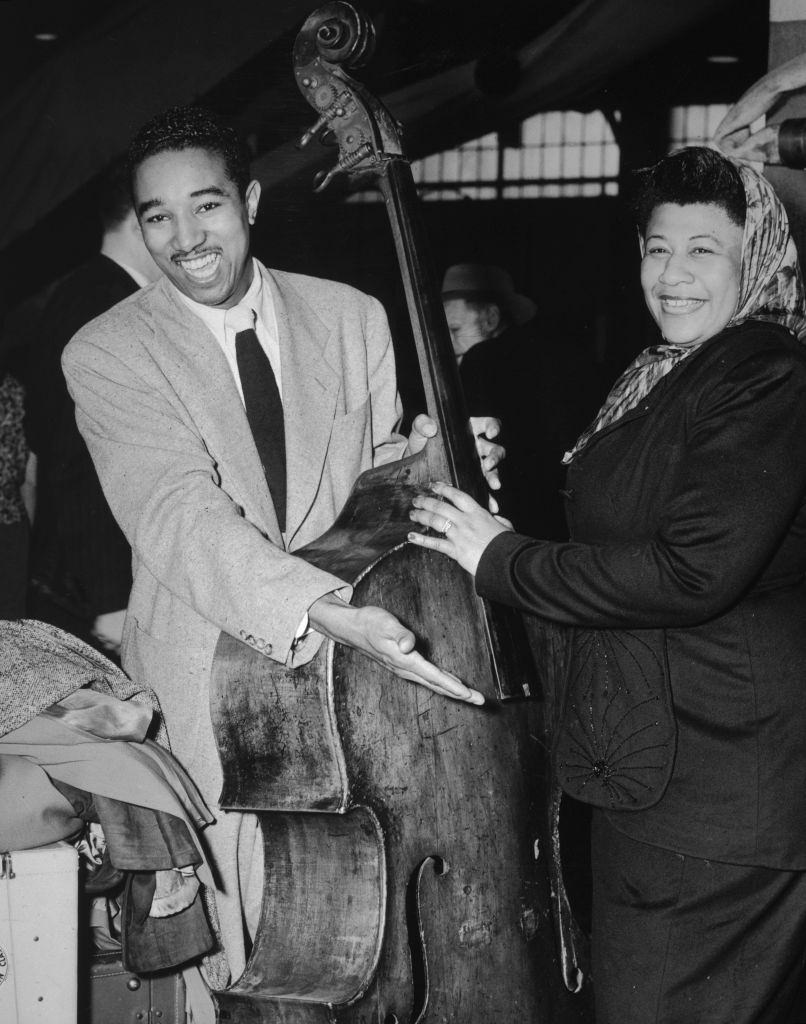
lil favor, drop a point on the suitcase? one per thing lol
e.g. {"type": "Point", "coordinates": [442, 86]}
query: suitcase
{"type": "Point", "coordinates": [116, 996]}
{"type": "Point", "coordinates": [38, 935]}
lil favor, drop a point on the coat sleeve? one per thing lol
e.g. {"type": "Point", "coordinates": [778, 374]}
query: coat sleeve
{"type": "Point", "coordinates": [163, 487]}
{"type": "Point", "coordinates": [387, 444]}
{"type": "Point", "coordinates": [741, 482]}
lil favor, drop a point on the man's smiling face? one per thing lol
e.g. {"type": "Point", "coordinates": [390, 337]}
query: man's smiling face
{"type": "Point", "coordinates": [196, 224]}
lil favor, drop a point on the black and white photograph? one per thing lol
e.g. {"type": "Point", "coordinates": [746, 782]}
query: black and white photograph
{"type": "Point", "coordinates": [402, 512]}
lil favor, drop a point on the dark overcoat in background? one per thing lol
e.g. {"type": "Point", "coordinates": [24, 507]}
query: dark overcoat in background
{"type": "Point", "coordinates": [532, 378]}
{"type": "Point", "coordinates": [80, 559]}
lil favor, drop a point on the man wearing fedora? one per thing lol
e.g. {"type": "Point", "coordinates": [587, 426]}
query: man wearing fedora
{"type": "Point", "coordinates": [481, 303]}
{"type": "Point", "coordinates": [518, 369]}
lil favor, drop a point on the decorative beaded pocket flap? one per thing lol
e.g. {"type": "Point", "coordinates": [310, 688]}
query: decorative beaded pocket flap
{"type": "Point", "coordinates": [616, 740]}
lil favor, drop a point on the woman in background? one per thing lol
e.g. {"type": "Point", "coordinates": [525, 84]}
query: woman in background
{"type": "Point", "coordinates": [683, 714]}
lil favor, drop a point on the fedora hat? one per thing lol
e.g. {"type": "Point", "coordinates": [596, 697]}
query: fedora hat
{"type": "Point", "coordinates": [487, 283]}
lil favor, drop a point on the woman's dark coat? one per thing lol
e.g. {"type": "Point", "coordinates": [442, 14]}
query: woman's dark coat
{"type": "Point", "coordinates": [688, 527]}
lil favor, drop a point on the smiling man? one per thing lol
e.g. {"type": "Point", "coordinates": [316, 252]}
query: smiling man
{"type": "Point", "coordinates": [229, 410]}
{"type": "Point", "coordinates": [195, 211]}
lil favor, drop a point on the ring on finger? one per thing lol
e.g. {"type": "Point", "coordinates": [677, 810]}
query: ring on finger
{"type": "Point", "coordinates": [446, 527]}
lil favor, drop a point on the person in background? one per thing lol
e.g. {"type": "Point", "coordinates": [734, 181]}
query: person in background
{"type": "Point", "coordinates": [481, 303]}
{"type": "Point", "coordinates": [80, 563]}
{"type": "Point", "coordinates": [229, 410]}
{"type": "Point", "coordinates": [515, 366]}
{"type": "Point", "coordinates": [682, 591]}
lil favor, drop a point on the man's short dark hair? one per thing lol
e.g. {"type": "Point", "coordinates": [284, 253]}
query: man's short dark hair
{"type": "Point", "coordinates": [113, 198]}
{"type": "Point", "coordinates": [692, 175]}
{"type": "Point", "coordinates": [192, 128]}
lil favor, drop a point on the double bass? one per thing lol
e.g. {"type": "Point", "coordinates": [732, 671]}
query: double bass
{"type": "Point", "coordinates": [406, 848]}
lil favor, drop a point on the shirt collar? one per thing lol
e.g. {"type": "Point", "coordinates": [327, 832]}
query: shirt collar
{"type": "Point", "coordinates": [215, 317]}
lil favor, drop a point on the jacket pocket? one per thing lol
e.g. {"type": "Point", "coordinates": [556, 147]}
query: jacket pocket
{"type": "Point", "coordinates": [350, 426]}
{"type": "Point", "coordinates": [615, 744]}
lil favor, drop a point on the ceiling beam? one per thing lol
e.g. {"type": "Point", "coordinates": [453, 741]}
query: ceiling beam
{"type": "Point", "coordinates": [64, 124]}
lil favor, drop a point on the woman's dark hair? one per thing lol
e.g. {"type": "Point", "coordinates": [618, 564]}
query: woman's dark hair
{"type": "Point", "coordinates": [192, 128]}
{"type": "Point", "coordinates": [693, 175]}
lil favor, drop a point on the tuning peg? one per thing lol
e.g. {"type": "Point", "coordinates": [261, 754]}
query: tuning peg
{"type": "Point", "coordinates": [306, 138]}
{"type": "Point", "coordinates": [322, 179]}
{"type": "Point", "coordinates": [346, 163]}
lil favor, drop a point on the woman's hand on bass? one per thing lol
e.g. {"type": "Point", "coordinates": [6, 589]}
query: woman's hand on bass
{"type": "Point", "coordinates": [464, 528]}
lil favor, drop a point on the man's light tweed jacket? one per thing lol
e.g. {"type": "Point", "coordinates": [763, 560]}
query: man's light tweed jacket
{"type": "Point", "coordinates": [159, 408]}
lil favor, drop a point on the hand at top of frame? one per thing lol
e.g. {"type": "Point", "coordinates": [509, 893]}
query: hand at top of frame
{"type": "Point", "coordinates": [733, 134]}
{"type": "Point", "coordinates": [464, 527]}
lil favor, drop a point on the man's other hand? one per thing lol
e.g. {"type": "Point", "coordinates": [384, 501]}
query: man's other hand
{"type": "Point", "coordinates": [385, 640]}
{"type": "Point", "coordinates": [485, 429]}
{"type": "Point", "coordinates": [422, 429]}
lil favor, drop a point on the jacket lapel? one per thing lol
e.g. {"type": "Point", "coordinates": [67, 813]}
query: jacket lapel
{"type": "Point", "coordinates": [310, 388]}
{"type": "Point", "coordinates": [199, 373]}
{"type": "Point", "coordinates": [651, 400]}
{"type": "Point", "coordinates": [637, 413]}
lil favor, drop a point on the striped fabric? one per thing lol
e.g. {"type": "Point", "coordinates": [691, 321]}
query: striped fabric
{"type": "Point", "coordinates": [771, 289]}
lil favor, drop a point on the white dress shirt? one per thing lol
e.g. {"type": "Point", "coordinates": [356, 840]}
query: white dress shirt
{"type": "Point", "coordinates": [259, 300]}
{"type": "Point", "coordinates": [224, 328]}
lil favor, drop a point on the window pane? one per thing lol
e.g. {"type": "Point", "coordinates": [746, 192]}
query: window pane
{"type": "Point", "coordinates": [559, 149]}
{"type": "Point", "coordinates": [488, 164]}
{"type": "Point", "coordinates": [450, 165]}
{"type": "Point", "coordinates": [694, 125]}
{"type": "Point", "coordinates": [572, 130]}
{"type": "Point", "coordinates": [513, 164]}
{"type": "Point", "coordinates": [572, 162]}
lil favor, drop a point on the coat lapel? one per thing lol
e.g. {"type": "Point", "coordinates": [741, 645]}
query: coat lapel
{"type": "Point", "coordinates": [200, 375]}
{"type": "Point", "coordinates": [310, 389]}
{"type": "Point", "coordinates": [650, 401]}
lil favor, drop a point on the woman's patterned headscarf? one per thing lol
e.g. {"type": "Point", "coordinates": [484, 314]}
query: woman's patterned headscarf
{"type": "Point", "coordinates": [770, 288]}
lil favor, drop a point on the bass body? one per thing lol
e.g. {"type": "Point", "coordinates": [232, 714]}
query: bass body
{"type": "Point", "coordinates": [406, 835]}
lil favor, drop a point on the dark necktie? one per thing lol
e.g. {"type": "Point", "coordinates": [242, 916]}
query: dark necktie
{"type": "Point", "coordinates": [264, 411]}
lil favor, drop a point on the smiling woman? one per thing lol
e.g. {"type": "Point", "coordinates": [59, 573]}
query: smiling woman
{"type": "Point", "coordinates": [683, 595]}
{"type": "Point", "coordinates": [706, 203]}
{"type": "Point", "coordinates": [690, 271]}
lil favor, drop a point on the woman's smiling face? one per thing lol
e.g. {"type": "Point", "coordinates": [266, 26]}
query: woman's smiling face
{"type": "Point", "coordinates": [691, 270]}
